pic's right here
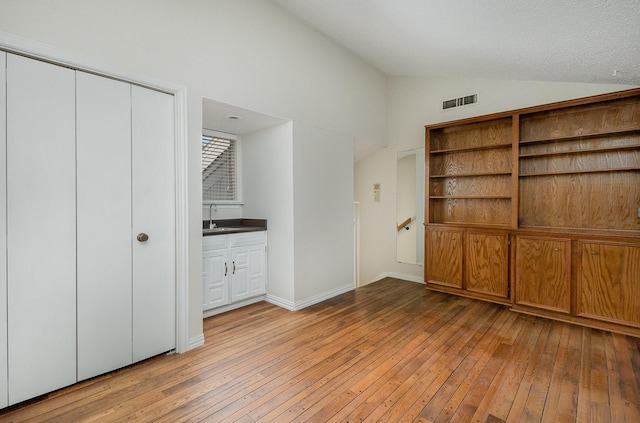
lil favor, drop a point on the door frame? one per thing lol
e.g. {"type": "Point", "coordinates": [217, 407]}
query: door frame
{"type": "Point", "coordinates": [18, 45]}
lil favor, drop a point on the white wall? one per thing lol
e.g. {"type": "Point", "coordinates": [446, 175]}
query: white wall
{"type": "Point", "coordinates": [323, 198]}
{"type": "Point", "coordinates": [248, 53]}
{"type": "Point", "coordinates": [412, 104]}
{"type": "Point", "coordinates": [267, 161]}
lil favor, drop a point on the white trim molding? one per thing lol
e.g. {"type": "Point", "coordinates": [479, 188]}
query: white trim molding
{"type": "Point", "coordinates": [40, 51]}
{"type": "Point", "coordinates": [196, 341]}
{"type": "Point", "coordinates": [295, 306]}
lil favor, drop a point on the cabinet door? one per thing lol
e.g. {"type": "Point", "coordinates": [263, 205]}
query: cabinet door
{"type": "Point", "coordinates": [104, 224]}
{"type": "Point", "coordinates": [248, 272]}
{"type": "Point", "coordinates": [444, 257]}
{"type": "Point", "coordinates": [153, 213]}
{"type": "Point", "coordinates": [41, 227]}
{"type": "Point", "coordinates": [609, 282]}
{"type": "Point", "coordinates": [487, 264]}
{"type": "Point", "coordinates": [4, 395]}
{"type": "Point", "coordinates": [215, 278]}
{"type": "Point", "coordinates": [543, 273]}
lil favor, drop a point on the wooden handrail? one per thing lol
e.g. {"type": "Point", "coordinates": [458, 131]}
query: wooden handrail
{"type": "Point", "coordinates": [403, 224]}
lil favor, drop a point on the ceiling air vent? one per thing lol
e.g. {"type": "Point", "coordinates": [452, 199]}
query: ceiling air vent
{"type": "Point", "coordinates": [460, 101]}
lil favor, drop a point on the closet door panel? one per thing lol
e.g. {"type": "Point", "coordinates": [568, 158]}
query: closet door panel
{"type": "Point", "coordinates": [104, 224]}
{"type": "Point", "coordinates": [154, 297]}
{"type": "Point", "coordinates": [4, 395]}
{"type": "Point", "coordinates": [41, 227]}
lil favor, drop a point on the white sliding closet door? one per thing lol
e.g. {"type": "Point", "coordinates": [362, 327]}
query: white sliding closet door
{"type": "Point", "coordinates": [154, 274]}
{"type": "Point", "coordinates": [4, 394]}
{"type": "Point", "coordinates": [41, 227]}
{"type": "Point", "coordinates": [104, 224]}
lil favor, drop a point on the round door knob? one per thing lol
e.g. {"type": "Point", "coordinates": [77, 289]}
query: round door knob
{"type": "Point", "coordinates": [142, 237]}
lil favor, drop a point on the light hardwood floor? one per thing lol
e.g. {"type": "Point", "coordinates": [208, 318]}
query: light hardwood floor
{"type": "Point", "coordinates": [387, 352]}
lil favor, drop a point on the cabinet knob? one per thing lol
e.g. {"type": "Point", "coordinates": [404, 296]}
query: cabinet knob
{"type": "Point", "coordinates": [594, 253]}
{"type": "Point", "coordinates": [453, 238]}
{"type": "Point", "coordinates": [225, 268]}
{"type": "Point", "coordinates": [556, 249]}
{"type": "Point", "coordinates": [142, 237]}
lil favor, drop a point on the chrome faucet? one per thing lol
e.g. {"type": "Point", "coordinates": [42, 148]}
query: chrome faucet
{"type": "Point", "coordinates": [211, 224]}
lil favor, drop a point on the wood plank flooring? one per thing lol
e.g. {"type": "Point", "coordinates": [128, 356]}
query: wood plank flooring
{"type": "Point", "coordinates": [387, 352]}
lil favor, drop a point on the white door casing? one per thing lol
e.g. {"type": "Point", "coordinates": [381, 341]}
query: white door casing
{"type": "Point", "coordinates": [4, 394]}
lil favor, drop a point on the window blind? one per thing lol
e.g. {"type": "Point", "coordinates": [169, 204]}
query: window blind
{"type": "Point", "coordinates": [218, 169]}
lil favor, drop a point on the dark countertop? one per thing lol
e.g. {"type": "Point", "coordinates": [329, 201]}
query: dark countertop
{"type": "Point", "coordinates": [233, 226]}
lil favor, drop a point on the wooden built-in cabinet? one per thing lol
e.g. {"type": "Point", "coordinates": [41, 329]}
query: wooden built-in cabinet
{"type": "Point", "coordinates": [539, 208]}
{"type": "Point", "coordinates": [609, 282]}
{"type": "Point", "coordinates": [470, 173]}
{"type": "Point", "coordinates": [543, 273]}
{"type": "Point", "coordinates": [468, 262]}
{"type": "Point", "coordinates": [487, 263]}
{"type": "Point", "coordinates": [444, 260]}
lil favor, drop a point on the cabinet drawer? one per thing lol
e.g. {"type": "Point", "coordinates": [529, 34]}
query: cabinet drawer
{"type": "Point", "coordinates": [216, 242]}
{"type": "Point", "coordinates": [247, 238]}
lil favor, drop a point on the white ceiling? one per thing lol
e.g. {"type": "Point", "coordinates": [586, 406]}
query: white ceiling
{"type": "Point", "coordinates": [596, 41]}
{"type": "Point", "coordinates": [230, 119]}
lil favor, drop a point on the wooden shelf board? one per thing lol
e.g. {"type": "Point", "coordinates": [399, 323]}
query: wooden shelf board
{"type": "Point", "coordinates": [582, 232]}
{"type": "Point", "coordinates": [626, 131]}
{"type": "Point", "coordinates": [471, 224]}
{"type": "Point", "coordinates": [469, 197]}
{"type": "Point", "coordinates": [581, 151]}
{"type": "Point", "coordinates": [467, 175]}
{"type": "Point", "coordinates": [477, 148]}
{"type": "Point", "coordinates": [575, 172]}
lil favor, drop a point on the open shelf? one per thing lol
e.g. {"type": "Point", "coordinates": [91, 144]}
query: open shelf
{"type": "Point", "coordinates": [470, 197]}
{"type": "Point", "coordinates": [625, 131]}
{"type": "Point", "coordinates": [475, 148]}
{"type": "Point", "coordinates": [573, 172]}
{"type": "Point", "coordinates": [468, 175]}
{"type": "Point", "coordinates": [582, 151]}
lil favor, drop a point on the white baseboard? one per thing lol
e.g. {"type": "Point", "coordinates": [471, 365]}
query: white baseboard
{"type": "Point", "coordinates": [195, 342]}
{"type": "Point", "coordinates": [299, 305]}
{"type": "Point", "coordinates": [280, 302]}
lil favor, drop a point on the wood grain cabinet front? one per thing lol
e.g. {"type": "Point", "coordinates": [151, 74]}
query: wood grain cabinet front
{"type": "Point", "coordinates": [487, 264]}
{"type": "Point", "coordinates": [543, 273]}
{"type": "Point", "coordinates": [473, 263]}
{"type": "Point", "coordinates": [561, 180]}
{"type": "Point", "coordinates": [444, 257]}
{"type": "Point", "coordinates": [609, 282]}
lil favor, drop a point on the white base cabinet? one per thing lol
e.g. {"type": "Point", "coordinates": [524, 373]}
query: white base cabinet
{"type": "Point", "coordinates": [215, 271]}
{"type": "Point", "coordinates": [233, 268]}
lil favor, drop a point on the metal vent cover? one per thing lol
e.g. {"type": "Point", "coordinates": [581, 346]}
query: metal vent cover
{"type": "Point", "coordinates": [460, 101]}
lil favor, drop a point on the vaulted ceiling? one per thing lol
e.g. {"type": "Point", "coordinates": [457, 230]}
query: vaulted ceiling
{"type": "Point", "coordinates": [596, 41]}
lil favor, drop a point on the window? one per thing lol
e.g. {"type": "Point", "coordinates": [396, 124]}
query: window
{"type": "Point", "coordinates": [219, 181]}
